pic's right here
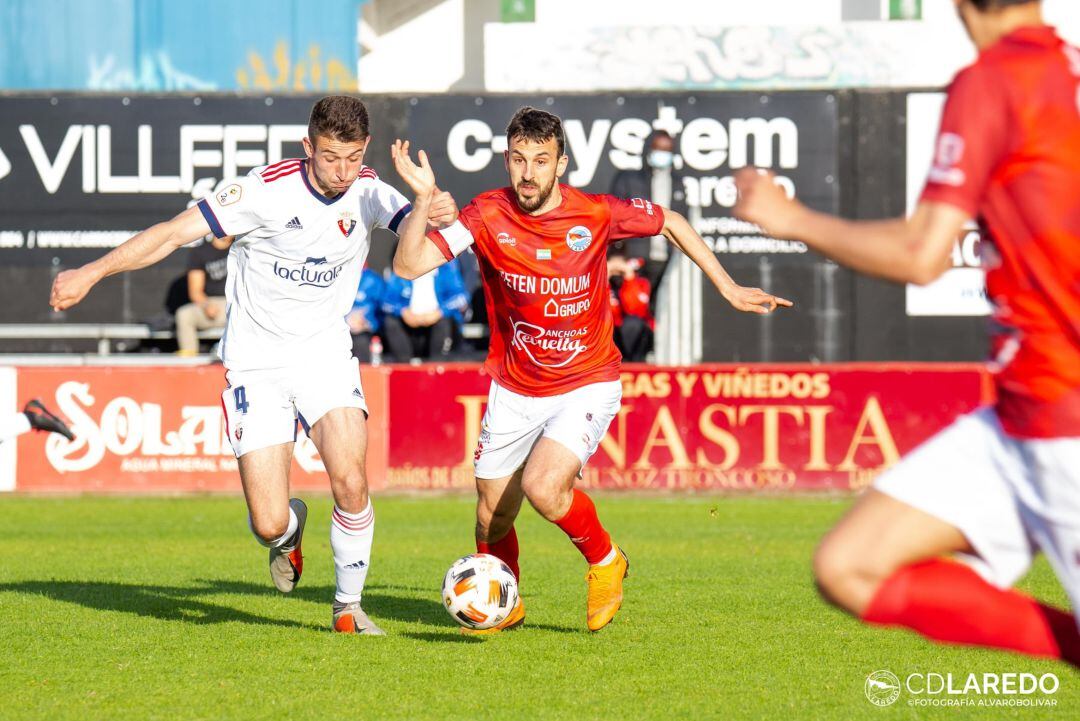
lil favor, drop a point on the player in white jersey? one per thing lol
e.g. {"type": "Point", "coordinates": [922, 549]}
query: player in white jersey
{"type": "Point", "coordinates": [302, 230]}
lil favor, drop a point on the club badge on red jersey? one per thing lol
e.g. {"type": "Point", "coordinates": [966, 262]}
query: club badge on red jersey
{"type": "Point", "coordinates": [579, 238]}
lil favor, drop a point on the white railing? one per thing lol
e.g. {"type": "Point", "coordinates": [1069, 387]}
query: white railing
{"type": "Point", "coordinates": [103, 333]}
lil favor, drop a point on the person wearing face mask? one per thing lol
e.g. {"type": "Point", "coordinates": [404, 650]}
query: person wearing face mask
{"type": "Point", "coordinates": [660, 181]}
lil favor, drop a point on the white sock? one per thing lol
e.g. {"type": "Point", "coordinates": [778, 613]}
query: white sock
{"type": "Point", "coordinates": [609, 557]}
{"type": "Point", "coordinates": [294, 523]}
{"type": "Point", "coordinates": [350, 539]}
{"type": "Point", "coordinates": [13, 426]}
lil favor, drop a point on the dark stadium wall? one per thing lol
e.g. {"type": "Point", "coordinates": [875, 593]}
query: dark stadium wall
{"type": "Point", "coordinates": [878, 175]}
{"type": "Point", "coordinates": [78, 173]}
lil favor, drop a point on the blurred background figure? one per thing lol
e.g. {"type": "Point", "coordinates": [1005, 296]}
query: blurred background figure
{"type": "Point", "coordinates": [660, 182]}
{"type": "Point", "coordinates": [207, 269]}
{"type": "Point", "coordinates": [365, 318]}
{"type": "Point", "coordinates": [423, 318]}
{"type": "Point", "coordinates": [630, 295]}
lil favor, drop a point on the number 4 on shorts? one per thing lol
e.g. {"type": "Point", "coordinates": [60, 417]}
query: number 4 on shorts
{"type": "Point", "coordinates": [240, 396]}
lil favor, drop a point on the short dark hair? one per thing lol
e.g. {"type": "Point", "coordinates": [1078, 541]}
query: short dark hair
{"type": "Point", "coordinates": [339, 117]}
{"type": "Point", "coordinates": [657, 134]}
{"type": "Point", "coordinates": [536, 125]}
{"type": "Point", "coordinates": [991, 4]}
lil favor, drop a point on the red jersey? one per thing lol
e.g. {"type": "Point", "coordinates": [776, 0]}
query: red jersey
{"type": "Point", "coordinates": [1009, 154]}
{"type": "Point", "coordinates": [546, 284]}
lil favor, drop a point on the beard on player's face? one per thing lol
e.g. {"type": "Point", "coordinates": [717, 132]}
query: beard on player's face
{"type": "Point", "coordinates": [534, 168]}
{"type": "Point", "coordinates": [539, 194]}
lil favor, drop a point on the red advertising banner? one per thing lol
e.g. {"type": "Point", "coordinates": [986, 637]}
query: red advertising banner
{"type": "Point", "coordinates": [716, 427]}
{"type": "Point", "coordinates": [704, 428]}
{"type": "Point", "coordinates": [148, 429]}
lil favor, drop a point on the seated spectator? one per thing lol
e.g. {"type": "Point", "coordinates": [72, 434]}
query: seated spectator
{"type": "Point", "coordinates": [365, 316]}
{"type": "Point", "coordinates": [630, 294]}
{"type": "Point", "coordinates": [422, 317]}
{"type": "Point", "coordinates": [207, 268]}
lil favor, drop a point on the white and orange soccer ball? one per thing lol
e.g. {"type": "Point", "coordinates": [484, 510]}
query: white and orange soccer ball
{"type": "Point", "coordinates": [479, 591]}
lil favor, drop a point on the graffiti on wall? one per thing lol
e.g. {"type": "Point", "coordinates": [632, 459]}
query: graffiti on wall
{"type": "Point", "coordinates": [195, 46]}
{"type": "Point", "coordinates": [850, 55]}
{"type": "Point", "coordinates": [281, 72]}
{"type": "Point", "coordinates": [151, 71]}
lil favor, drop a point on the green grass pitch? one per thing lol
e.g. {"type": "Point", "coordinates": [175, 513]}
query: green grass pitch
{"type": "Point", "coordinates": [162, 608]}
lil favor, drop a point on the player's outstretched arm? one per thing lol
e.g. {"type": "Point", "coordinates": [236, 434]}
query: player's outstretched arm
{"type": "Point", "coordinates": [911, 250]}
{"type": "Point", "coordinates": [139, 251]}
{"type": "Point", "coordinates": [752, 300]}
{"type": "Point", "coordinates": [416, 255]}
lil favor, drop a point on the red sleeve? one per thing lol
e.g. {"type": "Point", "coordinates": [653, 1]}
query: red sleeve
{"type": "Point", "coordinates": [972, 141]}
{"type": "Point", "coordinates": [470, 218]}
{"type": "Point", "coordinates": [440, 242]}
{"type": "Point", "coordinates": [634, 218]}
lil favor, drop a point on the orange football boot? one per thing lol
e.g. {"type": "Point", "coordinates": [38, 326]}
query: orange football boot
{"type": "Point", "coordinates": [605, 589]}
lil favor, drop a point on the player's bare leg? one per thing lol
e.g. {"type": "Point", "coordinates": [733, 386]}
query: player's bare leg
{"type": "Point", "coordinates": [548, 483]}
{"type": "Point", "coordinates": [276, 521]}
{"type": "Point", "coordinates": [498, 501]}
{"type": "Point", "coordinates": [879, 535]}
{"type": "Point", "coordinates": [883, 562]}
{"type": "Point", "coordinates": [341, 438]}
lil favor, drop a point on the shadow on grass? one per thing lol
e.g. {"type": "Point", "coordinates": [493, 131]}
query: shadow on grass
{"type": "Point", "coordinates": [382, 604]}
{"type": "Point", "coordinates": [169, 603]}
{"type": "Point", "coordinates": [380, 601]}
{"type": "Point", "coordinates": [189, 605]}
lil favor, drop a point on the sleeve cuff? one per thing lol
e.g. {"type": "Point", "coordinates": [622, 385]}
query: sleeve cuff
{"type": "Point", "coordinates": [398, 217]}
{"type": "Point", "coordinates": [211, 219]}
{"type": "Point", "coordinates": [440, 242]}
{"type": "Point", "coordinates": [456, 237]}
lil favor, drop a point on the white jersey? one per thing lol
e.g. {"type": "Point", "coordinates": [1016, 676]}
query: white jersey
{"type": "Point", "coordinates": [296, 261]}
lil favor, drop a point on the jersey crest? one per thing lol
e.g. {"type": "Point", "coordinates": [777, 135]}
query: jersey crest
{"type": "Point", "coordinates": [578, 238]}
{"type": "Point", "coordinates": [346, 223]}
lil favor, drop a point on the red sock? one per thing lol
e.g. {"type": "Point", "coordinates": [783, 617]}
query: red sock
{"type": "Point", "coordinates": [505, 549]}
{"type": "Point", "coordinates": [584, 529]}
{"type": "Point", "coordinates": [948, 601]}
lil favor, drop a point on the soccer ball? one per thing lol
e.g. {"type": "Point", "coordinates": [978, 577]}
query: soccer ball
{"type": "Point", "coordinates": [479, 591]}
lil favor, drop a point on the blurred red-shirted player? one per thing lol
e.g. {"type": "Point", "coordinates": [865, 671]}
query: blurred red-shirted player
{"type": "Point", "coordinates": [630, 296]}
{"type": "Point", "coordinates": [542, 248]}
{"type": "Point", "coordinates": [1004, 481]}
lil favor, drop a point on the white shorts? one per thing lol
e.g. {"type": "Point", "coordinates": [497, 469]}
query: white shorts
{"type": "Point", "coordinates": [267, 407]}
{"type": "Point", "coordinates": [1009, 497]}
{"type": "Point", "coordinates": [513, 423]}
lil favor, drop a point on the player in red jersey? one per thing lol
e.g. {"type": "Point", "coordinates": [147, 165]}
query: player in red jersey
{"type": "Point", "coordinates": [555, 387]}
{"type": "Point", "coordinates": [1004, 481]}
